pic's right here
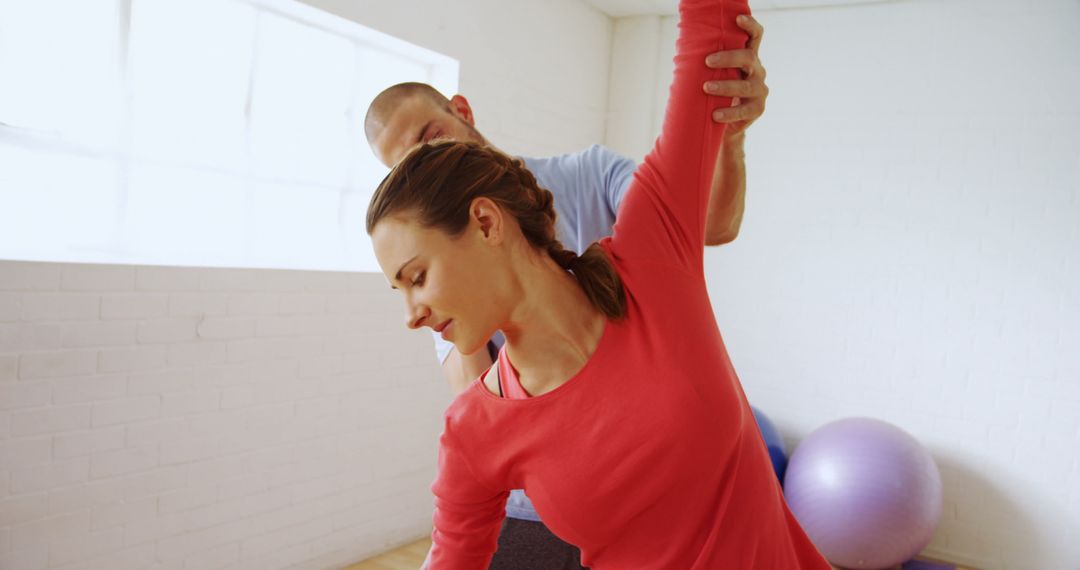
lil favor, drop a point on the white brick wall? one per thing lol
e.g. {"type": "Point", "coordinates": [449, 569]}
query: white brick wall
{"type": "Point", "coordinates": [909, 250]}
{"type": "Point", "coordinates": [209, 418]}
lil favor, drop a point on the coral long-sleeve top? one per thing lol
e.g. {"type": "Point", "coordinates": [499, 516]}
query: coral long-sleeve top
{"type": "Point", "coordinates": [649, 457]}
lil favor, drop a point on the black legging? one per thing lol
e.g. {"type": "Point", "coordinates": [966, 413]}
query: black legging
{"type": "Point", "coordinates": [528, 545]}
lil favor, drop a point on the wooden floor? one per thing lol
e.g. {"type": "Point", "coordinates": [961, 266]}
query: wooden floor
{"type": "Point", "coordinates": [411, 556]}
{"type": "Point", "coordinates": [408, 557]}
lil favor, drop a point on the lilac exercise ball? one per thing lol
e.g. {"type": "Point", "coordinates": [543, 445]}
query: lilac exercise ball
{"type": "Point", "coordinates": [866, 493]}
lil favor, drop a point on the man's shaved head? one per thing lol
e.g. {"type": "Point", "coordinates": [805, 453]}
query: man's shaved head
{"type": "Point", "coordinates": [407, 114]}
{"type": "Point", "coordinates": [391, 98]}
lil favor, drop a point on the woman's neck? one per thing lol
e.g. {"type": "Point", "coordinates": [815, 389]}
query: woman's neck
{"type": "Point", "coordinates": [553, 330]}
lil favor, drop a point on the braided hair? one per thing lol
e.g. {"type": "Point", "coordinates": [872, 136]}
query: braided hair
{"type": "Point", "coordinates": [439, 181]}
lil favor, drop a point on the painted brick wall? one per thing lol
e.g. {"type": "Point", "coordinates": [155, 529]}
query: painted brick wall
{"type": "Point", "coordinates": [209, 418]}
{"type": "Point", "coordinates": [910, 249]}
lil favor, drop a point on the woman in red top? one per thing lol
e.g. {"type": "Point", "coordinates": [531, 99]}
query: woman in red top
{"type": "Point", "coordinates": [614, 403]}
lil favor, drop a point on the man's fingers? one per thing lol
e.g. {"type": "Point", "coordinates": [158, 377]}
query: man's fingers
{"type": "Point", "coordinates": [731, 115]}
{"type": "Point", "coordinates": [744, 59]}
{"type": "Point", "coordinates": [752, 27]}
{"type": "Point", "coordinates": [744, 111]}
{"type": "Point", "coordinates": [748, 94]}
{"type": "Point", "coordinates": [736, 88]}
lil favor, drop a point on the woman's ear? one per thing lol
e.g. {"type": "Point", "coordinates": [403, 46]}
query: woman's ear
{"type": "Point", "coordinates": [488, 218]}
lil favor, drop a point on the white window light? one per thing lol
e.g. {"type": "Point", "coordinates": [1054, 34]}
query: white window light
{"type": "Point", "coordinates": [202, 132]}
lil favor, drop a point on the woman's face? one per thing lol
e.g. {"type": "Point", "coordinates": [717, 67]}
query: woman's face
{"type": "Point", "coordinates": [443, 279]}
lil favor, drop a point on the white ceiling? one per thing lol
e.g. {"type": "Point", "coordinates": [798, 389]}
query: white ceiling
{"type": "Point", "coordinates": [623, 8]}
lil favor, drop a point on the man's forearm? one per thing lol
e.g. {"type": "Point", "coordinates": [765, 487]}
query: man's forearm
{"type": "Point", "coordinates": [460, 370]}
{"type": "Point", "coordinates": [727, 197]}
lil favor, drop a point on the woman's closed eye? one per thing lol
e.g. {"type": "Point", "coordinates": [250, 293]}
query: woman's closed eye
{"type": "Point", "coordinates": [419, 279]}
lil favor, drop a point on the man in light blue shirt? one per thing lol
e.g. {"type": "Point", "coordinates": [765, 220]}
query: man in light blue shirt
{"type": "Point", "coordinates": [588, 187]}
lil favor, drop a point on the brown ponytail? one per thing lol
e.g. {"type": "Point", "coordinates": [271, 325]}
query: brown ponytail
{"type": "Point", "coordinates": [439, 181]}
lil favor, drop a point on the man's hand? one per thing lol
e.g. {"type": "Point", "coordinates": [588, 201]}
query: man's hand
{"type": "Point", "coordinates": [748, 93]}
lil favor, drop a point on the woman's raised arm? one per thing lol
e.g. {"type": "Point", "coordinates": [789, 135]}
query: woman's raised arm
{"type": "Point", "coordinates": [663, 214]}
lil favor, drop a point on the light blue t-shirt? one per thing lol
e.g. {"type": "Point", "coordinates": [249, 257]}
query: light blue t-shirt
{"type": "Point", "coordinates": [588, 187]}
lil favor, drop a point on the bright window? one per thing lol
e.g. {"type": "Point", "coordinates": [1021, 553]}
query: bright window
{"type": "Point", "coordinates": [202, 132]}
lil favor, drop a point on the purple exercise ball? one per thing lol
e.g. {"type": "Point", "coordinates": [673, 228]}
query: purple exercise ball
{"type": "Point", "coordinates": [866, 493]}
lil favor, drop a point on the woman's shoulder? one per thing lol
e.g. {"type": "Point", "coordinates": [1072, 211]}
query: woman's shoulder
{"type": "Point", "coordinates": [476, 406]}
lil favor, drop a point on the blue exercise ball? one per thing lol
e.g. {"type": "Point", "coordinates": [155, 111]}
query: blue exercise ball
{"type": "Point", "coordinates": [773, 442]}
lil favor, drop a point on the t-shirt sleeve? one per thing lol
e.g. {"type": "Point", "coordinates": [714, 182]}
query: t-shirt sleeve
{"type": "Point", "coordinates": [468, 514]}
{"type": "Point", "coordinates": [662, 218]}
{"type": "Point", "coordinates": [614, 172]}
